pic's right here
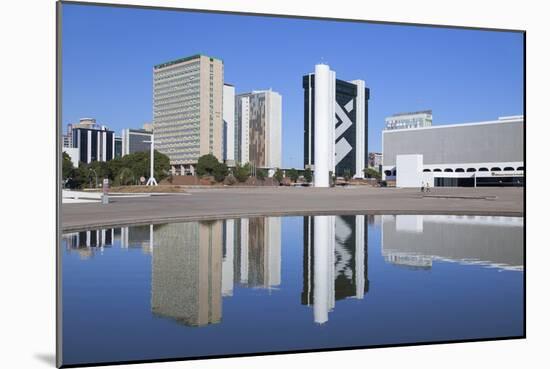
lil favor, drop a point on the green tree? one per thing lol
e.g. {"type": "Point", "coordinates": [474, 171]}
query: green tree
{"type": "Point", "coordinates": [220, 172]}
{"type": "Point", "coordinates": [261, 174]}
{"type": "Point", "coordinates": [242, 173]}
{"type": "Point", "coordinates": [278, 175]}
{"type": "Point", "coordinates": [308, 175]}
{"type": "Point", "coordinates": [67, 167]}
{"type": "Point", "coordinates": [372, 173]}
{"type": "Point", "coordinates": [293, 175]}
{"type": "Point", "coordinates": [206, 165]}
{"type": "Point", "coordinates": [126, 177]}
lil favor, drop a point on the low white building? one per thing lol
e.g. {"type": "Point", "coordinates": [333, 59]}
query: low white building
{"type": "Point", "coordinates": [472, 154]}
{"type": "Point", "coordinates": [74, 153]}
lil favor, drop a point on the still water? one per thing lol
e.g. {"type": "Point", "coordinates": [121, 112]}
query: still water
{"type": "Point", "coordinates": [289, 283]}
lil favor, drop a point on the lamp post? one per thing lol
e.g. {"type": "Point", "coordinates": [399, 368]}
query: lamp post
{"type": "Point", "coordinates": [152, 181]}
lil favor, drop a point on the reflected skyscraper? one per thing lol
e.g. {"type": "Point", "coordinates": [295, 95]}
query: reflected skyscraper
{"type": "Point", "coordinates": [417, 240]}
{"type": "Point", "coordinates": [335, 262]}
{"type": "Point", "coordinates": [187, 272]}
{"type": "Point", "coordinates": [252, 254]}
{"type": "Point", "coordinates": [86, 242]}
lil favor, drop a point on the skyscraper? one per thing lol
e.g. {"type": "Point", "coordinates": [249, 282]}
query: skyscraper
{"type": "Point", "coordinates": [229, 124]}
{"type": "Point", "coordinates": [258, 128]}
{"type": "Point", "coordinates": [94, 142]}
{"type": "Point", "coordinates": [187, 110]}
{"type": "Point", "coordinates": [335, 125]}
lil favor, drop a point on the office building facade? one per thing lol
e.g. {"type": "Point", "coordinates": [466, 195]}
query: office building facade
{"type": "Point", "coordinates": [187, 110]}
{"type": "Point", "coordinates": [229, 124]}
{"type": "Point", "coordinates": [258, 129]}
{"type": "Point", "coordinates": [135, 140]}
{"type": "Point", "coordinates": [418, 119]}
{"type": "Point", "coordinates": [335, 125]}
{"type": "Point", "coordinates": [94, 142]}
{"type": "Point", "coordinates": [472, 154]}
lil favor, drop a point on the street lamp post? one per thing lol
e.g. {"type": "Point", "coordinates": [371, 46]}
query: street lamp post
{"type": "Point", "coordinates": [152, 181]}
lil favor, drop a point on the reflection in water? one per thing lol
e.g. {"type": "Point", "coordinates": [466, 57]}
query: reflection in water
{"type": "Point", "coordinates": [186, 280]}
{"type": "Point", "coordinates": [415, 241]}
{"type": "Point", "coordinates": [147, 288]}
{"type": "Point", "coordinates": [335, 262]}
{"type": "Point", "coordinates": [194, 264]}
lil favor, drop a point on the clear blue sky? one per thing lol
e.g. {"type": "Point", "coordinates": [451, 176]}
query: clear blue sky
{"type": "Point", "coordinates": [462, 75]}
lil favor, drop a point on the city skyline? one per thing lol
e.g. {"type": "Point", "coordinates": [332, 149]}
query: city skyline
{"type": "Point", "coordinates": [109, 53]}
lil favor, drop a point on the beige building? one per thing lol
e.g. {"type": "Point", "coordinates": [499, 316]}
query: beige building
{"type": "Point", "coordinates": [187, 110]}
{"type": "Point", "coordinates": [187, 272]}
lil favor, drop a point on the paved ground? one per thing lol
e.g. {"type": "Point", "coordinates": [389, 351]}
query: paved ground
{"type": "Point", "coordinates": [231, 202]}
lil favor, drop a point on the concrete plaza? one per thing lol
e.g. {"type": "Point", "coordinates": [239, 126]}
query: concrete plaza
{"type": "Point", "coordinates": [200, 204]}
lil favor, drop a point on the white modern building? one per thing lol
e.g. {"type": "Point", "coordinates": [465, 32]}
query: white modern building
{"type": "Point", "coordinates": [258, 129]}
{"type": "Point", "coordinates": [335, 125]}
{"type": "Point", "coordinates": [489, 153]}
{"type": "Point", "coordinates": [417, 119]}
{"type": "Point", "coordinates": [229, 124]}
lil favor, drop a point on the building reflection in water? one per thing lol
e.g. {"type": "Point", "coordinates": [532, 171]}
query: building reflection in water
{"type": "Point", "coordinates": [195, 264]}
{"type": "Point", "coordinates": [335, 262]}
{"type": "Point", "coordinates": [87, 243]}
{"type": "Point", "coordinates": [415, 241]}
{"type": "Point", "coordinates": [187, 270]}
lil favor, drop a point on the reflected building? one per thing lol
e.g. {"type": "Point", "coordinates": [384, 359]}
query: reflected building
{"type": "Point", "coordinates": [252, 253]}
{"type": "Point", "coordinates": [85, 243]}
{"type": "Point", "coordinates": [415, 241]}
{"type": "Point", "coordinates": [140, 237]}
{"type": "Point", "coordinates": [335, 262]}
{"type": "Point", "coordinates": [187, 272]}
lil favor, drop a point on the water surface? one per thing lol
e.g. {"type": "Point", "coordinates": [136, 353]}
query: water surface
{"type": "Point", "coordinates": [289, 283]}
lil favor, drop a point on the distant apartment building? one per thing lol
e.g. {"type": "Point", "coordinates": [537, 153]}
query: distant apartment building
{"type": "Point", "coordinates": [94, 142]}
{"type": "Point", "coordinates": [229, 124]}
{"type": "Point", "coordinates": [258, 129]}
{"type": "Point", "coordinates": [187, 110]}
{"type": "Point", "coordinates": [68, 137]}
{"type": "Point", "coordinates": [417, 119]}
{"type": "Point", "coordinates": [135, 140]}
{"type": "Point", "coordinates": [335, 125]}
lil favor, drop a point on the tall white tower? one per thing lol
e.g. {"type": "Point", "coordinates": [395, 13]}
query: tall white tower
{"type": "Point", "coordinates": [324, 124]}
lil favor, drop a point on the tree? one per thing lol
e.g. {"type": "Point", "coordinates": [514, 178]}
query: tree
{"type": "Point", "coordinates": [372, 173]}
{"type": "Point", "coordinates": [347, 175]}
{"type": "Point", "coordinates": [126, 177]}
{"type": "Point", "coordinates": [242, 173]}
{"type": "Point", "coordinates": [206, 165]}
{"type": "Point", "coordinates": [308, 175]}
{"type": "Point", "coordinates": [220, 172]}
{"type": "Point", "coordinates": [293, 175]}
{"type": "Point", "coordinates": [67, 167]}
{"type": "Point", "coordinates": [261, 174]}
{"type": "Point", "coordinates": [278, 175]}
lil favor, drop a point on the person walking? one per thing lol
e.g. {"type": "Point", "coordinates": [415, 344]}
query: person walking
{"type": "Point", "coordinates": [427, 186]}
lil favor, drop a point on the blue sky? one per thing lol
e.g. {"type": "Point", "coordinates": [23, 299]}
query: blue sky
{"type": "Point", "coordinates": [462, 75]}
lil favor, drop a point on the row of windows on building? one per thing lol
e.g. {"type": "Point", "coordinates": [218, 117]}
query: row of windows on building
{"type": "Point", "coordinates": [462, 170]}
